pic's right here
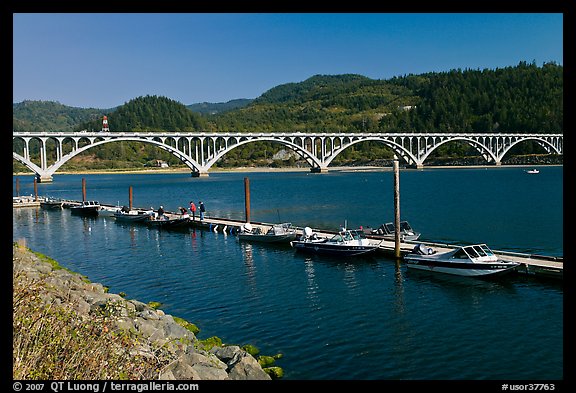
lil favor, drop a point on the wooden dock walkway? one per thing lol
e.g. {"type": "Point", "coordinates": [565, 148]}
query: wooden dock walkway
{"type": "Point", "coordinates": [535, 265]}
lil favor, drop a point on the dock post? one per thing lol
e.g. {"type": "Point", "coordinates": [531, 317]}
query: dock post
{"type": "Point", "coordinates": [397, 253]}
{"type": "Point", "coordinates": [35, 189]}
{"type": "Point", "coordinates": [130, 197]}
{"type": "Point", "coordinates": [247, 198]}
{"type": "Point", "coordinates": [83, 189]}
{"type": "Point", "coordinates": [17, 186]}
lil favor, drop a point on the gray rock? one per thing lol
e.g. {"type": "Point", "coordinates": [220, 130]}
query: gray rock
{"type": "Point", "coordinates": [156, 330]}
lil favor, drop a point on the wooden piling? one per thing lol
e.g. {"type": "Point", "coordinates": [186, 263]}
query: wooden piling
{"type": "Point", "coordinates": [130, 197]}
{"type": "Point", "coordinates": [83, 189]}
{"type": "Point", "coordinates": [17, 186]}
{"type": "Point", "coordinates": [35, 189]}
{"type": "Point", "coordinates": [247, 198]}
{"type": "Point", "coordinates": [397, 253]}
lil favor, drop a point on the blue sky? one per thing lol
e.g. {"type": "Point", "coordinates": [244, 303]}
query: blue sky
{"type": "Point", "coordinates": [92, 60]}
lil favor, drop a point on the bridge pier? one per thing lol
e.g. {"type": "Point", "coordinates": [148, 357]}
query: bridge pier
{"type": "Point", "coordinates": [318, 170]}
{"type": "Point", "coordinates": [199, 174]}
{"type": "Point", "coordinates": [44, 178]}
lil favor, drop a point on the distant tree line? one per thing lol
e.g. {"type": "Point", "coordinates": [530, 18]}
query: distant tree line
{"type": "Point", "coordinates": [520, 99]}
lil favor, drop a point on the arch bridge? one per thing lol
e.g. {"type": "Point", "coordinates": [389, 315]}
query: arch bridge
{"type": "Point", "coordinates": [200, 150]}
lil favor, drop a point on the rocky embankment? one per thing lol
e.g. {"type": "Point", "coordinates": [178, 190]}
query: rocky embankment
{"type": "Point", "coordinates": [151, 329]}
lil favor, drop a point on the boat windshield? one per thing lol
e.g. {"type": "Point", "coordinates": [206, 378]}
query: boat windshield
{"type": "Point", "coordinates": [348, 236]}
{"type": "Point", "coordinates": [471, 251]}
{"type": "Point", "coordinates": [405, 227]}
{"type": "Point", "coordinates": [480, 251]}
{"type": "Point", "coordinates": [487, 250]}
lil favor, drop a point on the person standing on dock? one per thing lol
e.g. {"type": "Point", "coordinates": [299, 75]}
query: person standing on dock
{"type": "Point", "coordinates": [160, 212]}
{"type": "Point", "coordinates": [202, 210]}
{"type": "Point", "coordinates": [193, 210]}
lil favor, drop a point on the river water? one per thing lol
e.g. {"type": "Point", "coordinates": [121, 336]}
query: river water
{"type": "Point", "coordinates": [357, 319]}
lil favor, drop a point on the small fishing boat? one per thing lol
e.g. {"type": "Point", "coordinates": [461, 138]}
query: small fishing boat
{"type": "Point", "coordinates": [52, 203]}
{"type": "Point", "coordinates": [168, 221]}
{"type": "Point", "coordinates": [278, 233]}
{"type": "Point", "coordinates": [86, 208]}
{"type": "Point", "coordinates": [108, 211]}
{"type": "Point", "coordinates": [387, 231]}
{"type": "Point", "coordinates": [127, 215]}
{"type": "Point", "coordinates": [472, 260]}
{"type": "Point", "coordinates": [347, 242]}
{"type": "Point", "coordinates": [533, 171]}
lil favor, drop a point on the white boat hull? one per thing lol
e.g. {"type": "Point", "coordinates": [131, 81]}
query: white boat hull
{"type": "Point", "coordinates": [461, 269]}
{"type": "Point", "coordinates": [287, 238]}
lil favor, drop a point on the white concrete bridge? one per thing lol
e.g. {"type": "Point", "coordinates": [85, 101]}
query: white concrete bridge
{"type": "Point", "coordinates": [200, 150]}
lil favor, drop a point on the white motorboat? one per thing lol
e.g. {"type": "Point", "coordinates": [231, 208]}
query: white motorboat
{"type": "Point", "coordinates": [277, 233]}
{"type": "Point", "coordinates": [346, 242]}
{"type": "Point", "coordinates": [86, 208]}
{"type": "Point", "coordinates": [472, 260]}
{"type": "Point", "coordinates": [533, 171]}
{"type": "Point", "coordinates": [108, 211]}
{"type": "Point", "coordinates": [168, 221]}
{"type": "Point", "coordinates": [52, 203]}
{"type": "Point", "coordinates": [127, 215]}
{"type": "Point", "coordinates": [387, 231]}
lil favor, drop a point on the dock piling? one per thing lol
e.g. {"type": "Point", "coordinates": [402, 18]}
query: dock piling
{"type": "Point", "coordinates": [83, 189]}
{"type": "Point", "coordinates": [397, 253]}
{"type": "Point", "coordinates": [130, 197]}
{"type": "Point", "coordinates": [247, 198]}
{"type": "Point", "coordinates": [35, 189]}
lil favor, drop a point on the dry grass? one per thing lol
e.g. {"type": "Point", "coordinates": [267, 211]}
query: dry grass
{"type": "Point", "coordinates": [52, 341]}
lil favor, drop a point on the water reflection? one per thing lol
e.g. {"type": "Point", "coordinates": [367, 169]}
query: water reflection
{"type": "Point", "coordinates": [398, 288]}
{"type": "Point", "coordinates": [312, 289]}
{"type": "Point", "coordinates": [248, 257]}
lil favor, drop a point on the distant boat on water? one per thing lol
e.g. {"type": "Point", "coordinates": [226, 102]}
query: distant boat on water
{"type": "Point", "coordinates": [533, 171]}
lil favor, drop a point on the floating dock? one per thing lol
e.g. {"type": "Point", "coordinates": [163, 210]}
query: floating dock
{"type": "Point", "coordinates": [534, 265]}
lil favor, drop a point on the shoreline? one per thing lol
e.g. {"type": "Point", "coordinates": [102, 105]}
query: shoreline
{"type": "Point", "coordinates": [360, 168]}
{"type": "Point", "coordinates": [181, 354]}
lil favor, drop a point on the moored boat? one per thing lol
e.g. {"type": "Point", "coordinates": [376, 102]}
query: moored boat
{"type": "Point", "coordinates": [51, 203]}
{"type": "Point", "coordinates": [346, 242]}
{"type": "Point", "coordinates": [127, 215]}
{"type": "Point", "coordinates": [108, 211]}
{"type": "Point", "coordinates": [472, 260]}
{"type": "Point", "coordinates": [277, 233]}
{"type": "Point", "coordinates": [533, 171]}
{"type": "Point", "coordinates": [168, 221]}
{"type": "Point", "coordinates": [86, 208]}
{"type": "Point", "coordinates": [387, 231]}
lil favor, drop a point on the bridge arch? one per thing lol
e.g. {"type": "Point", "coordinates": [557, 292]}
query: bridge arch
{"type": "Point", "coordinates": [399, 150]}
{"type": "Point", "coordinates": [310, 158]}
{"type": "Point", "coordinates": [549, 146]}
{"type": "Point", "coordinates": [484, 151]}
{"type": "Point", "coordinates": [200, 150]}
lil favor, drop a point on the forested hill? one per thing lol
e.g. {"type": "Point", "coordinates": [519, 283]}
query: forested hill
{"type": "Point", "coordinates": [150, 113]}
{"type": "Point", "coordinates": [524, 98]}
{"type": "Point", "coordinates": [219, 107]}
{"type": "Point", "coordinates": [50, 116]}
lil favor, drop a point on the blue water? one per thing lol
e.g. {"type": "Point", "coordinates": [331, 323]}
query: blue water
{"type": "Point", "coordinates": [362, 319]}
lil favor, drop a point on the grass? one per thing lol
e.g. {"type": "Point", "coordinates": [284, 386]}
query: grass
{"type": "Point", "coordinates": [53, 342]}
